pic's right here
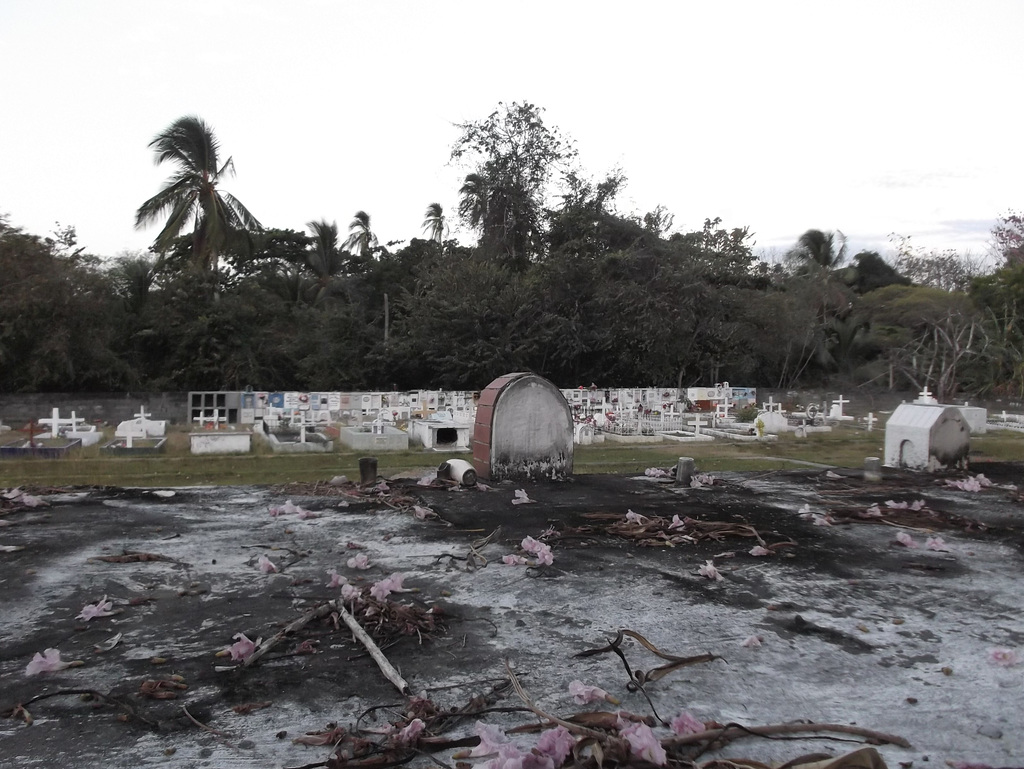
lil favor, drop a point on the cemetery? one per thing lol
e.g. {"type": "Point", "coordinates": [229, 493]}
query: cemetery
{"type": "Point", "coordinates": [856, 609]}
{"type": "Point", "coordinates": [225, 422]}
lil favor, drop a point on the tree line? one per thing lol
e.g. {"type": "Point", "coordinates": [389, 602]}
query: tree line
{"type": "Point", "coordinates": [558, 281]}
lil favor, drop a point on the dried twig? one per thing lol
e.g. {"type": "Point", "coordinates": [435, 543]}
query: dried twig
{"type": "Point", "coordinates": [20, 707]}
{"type": "Point", "coordinates": [576, 728]}
{"type": "Point", "coordinates": [203, 726]}
{"type": "Point", "coordinates": [390, 671]}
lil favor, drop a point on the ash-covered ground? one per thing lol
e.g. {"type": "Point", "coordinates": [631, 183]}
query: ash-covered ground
{"type": "Point", "coordinates": [855, 627]}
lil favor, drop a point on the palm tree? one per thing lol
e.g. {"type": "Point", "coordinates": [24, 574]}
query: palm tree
{"type": "Point", "coordinates": [434, 224]}
{"type": "Point", "coordinates": [133, 277]}
{"type": "Point", "coordinates": [817, 247]}
{"type": "Point", "coordinates": [361, 238]}
{"type": "Point", "coordinates": [218, 218]}
{"type": "Point", "coordinates": [475, 195]}
{"type": "Point", "coordinates": [325, 260]}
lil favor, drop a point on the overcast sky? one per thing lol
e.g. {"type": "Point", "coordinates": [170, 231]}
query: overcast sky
{"type": "Point", "coordinates": [867, 117]}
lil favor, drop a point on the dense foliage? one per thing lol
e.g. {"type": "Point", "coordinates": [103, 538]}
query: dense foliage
{"type": "Point", "coordinates": [559, 282]}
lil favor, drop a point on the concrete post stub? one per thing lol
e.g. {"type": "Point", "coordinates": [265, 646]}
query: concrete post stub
{"type": "Point", "coordinates": [685, 468]}
{"type": "Point", "coordinates": [872, 469]}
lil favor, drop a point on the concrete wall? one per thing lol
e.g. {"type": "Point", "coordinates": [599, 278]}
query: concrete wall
{"type": "Point", "coordinates": [18, 408]}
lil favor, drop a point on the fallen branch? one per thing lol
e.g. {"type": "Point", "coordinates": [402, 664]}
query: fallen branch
{"type": "Point", "coordinates": [321, 611]}
{"type": "Point", "coordinates": [390, 671]}
{"type": "Point", "coordinates": [733, 731]}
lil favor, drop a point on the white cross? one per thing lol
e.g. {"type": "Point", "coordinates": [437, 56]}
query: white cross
{"type": "Point", "coordinates": [142, 413]}
{"type": "Point", "coordinates": [697, 424]}
{"type": "Point", "coordinates": [214, 420]}
{"type": "Point", "coordinates": [871, 419]}
{"type": "Point", "coordinates": [56, 423]}
{"type": "Point", "coordinates": [134, 431]}
{"type": "Point", "coordinates": [771, 404]}
{"type": "Point", "coordinates": [840, 402]}
{"type": "Point", "coordinates": [924, 396]}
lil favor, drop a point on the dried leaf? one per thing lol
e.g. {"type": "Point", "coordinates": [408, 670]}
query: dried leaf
{"type": "Point", "coordinates": [109, 644]}
{"type": "Point", "coordinates": [249, 707]}
{"type": "Point", "coordinates": [162, 689]}
{"type": "Point", "coordinates": [329, 737]}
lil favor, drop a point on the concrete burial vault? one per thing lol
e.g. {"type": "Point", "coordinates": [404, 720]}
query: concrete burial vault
{"type": "Point", "coordinates": [926, 437]}
{"type": "Point", "coordinates": [523, 430]}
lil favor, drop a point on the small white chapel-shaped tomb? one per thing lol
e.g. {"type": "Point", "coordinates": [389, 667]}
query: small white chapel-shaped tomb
{"type": "Point", "coordinates": [926, 437]}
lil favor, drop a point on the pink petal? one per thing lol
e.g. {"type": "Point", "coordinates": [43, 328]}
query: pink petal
{"type": "Point", "coordinates": [99, 609]}
{"type": "Point", "coordinates": [359, 562]}
{"type": "Point", "coordinates": [556, 743]}
{"type": "Point", "coordinates": [644, 744]}
{"type": "Point", "coordinates": [583, 694]}
{"type": "Point", "coordinates": [544, 556]}
{"type": "Point", "coordinates": [381, 590]}
{"type": "Point", "coordinates": [687, 723]}
{"type": "Point", "coordinates": [266, 565]}
{"type": "Point", "coordinates": [491, 740]}
{"type": "Point", "coordinates": [708, 570]}
{"type": "Point", "coordinates": [1004, 657]}
{"type": "Point", "coordinates": [411, 733]}
{"type": "Point", "coordinates": [350, 592]}
{"type": "Point", "coordinates": [47, 662]}
{"type": "Point", "coordinates": [905, 539]}
{"type": "Point", "coordinates": [243, 647]}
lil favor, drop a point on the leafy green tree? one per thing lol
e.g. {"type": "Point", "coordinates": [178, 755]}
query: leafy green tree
{"type": "Point", "coordinates": [514, 157]}
{"type": "Point", "coordinates": [586, 224]}
{"type": "Point", "coordinates": [1008, 238]}
{"type": "Point", "coordinates": [58, 318]}
{"type": "Point", "coordinates": [192, 197]}
{"type": "Point", "coordinates": [948, 270]}
{"type": "Point", "coordinates": [928, 336]}
{"type": "Point", "coordinates": [1000, 297]}
{"type": "Point", "coordinates": [870, 271]}
{"type": "Point", "coordinates": [466, 322]}
{"type": "Point", "coordinates": [659, 221]}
